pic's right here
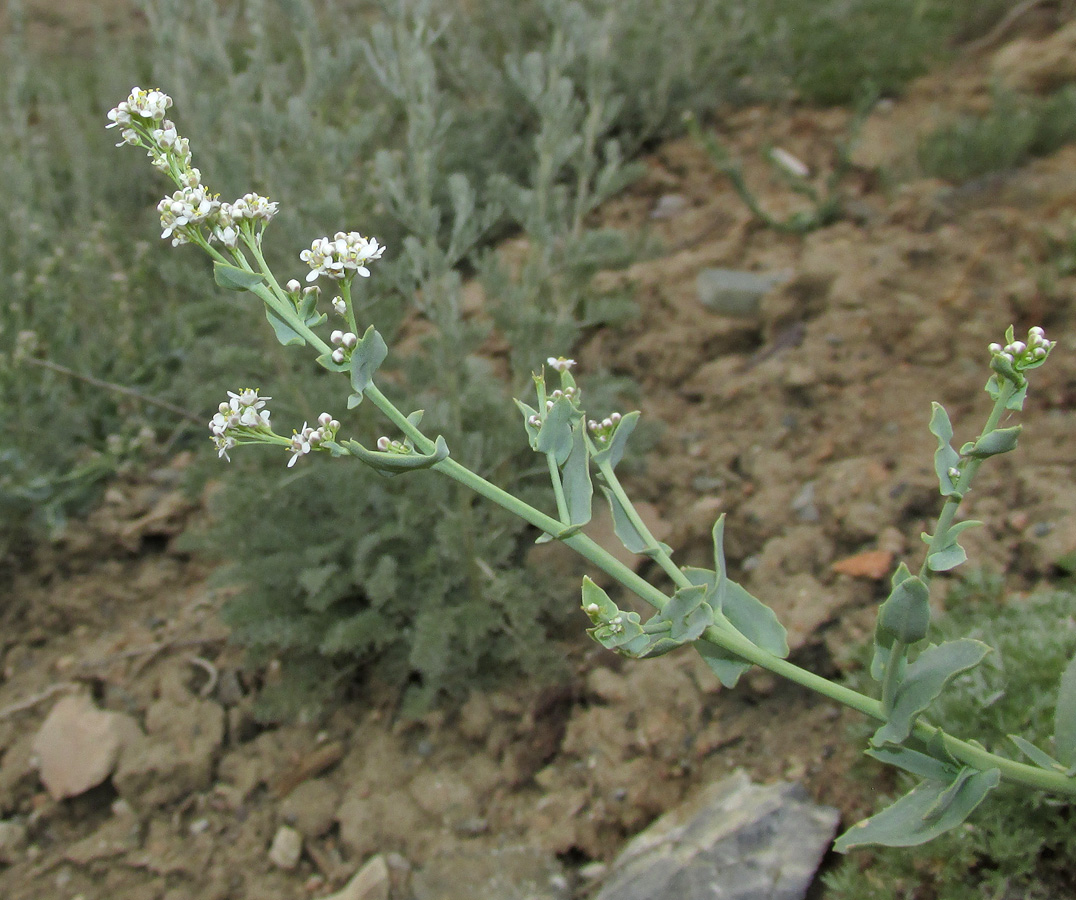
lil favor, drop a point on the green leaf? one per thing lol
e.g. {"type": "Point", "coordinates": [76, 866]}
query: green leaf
{"type": "Point", "coordinates": [923, 682]}
{"type": "Point", "coordinates": [394, 463]}
{"type": "Point", "coordinates": [366, 358]}
{"type": "Point", "coordinates": [1000, 440]}
{"type": "Point", "coordinates": [931, 808]}
{"type": "Point", "coordinates": [1065, 716]}
{"type": "Point", "coordinates": [232, 278]}
{"type": "Point", "coordinates": [1015, 403]}
{"type": "Point", "coordinates": [628, 534]}
{"type": "Point", "coordinates": [614, 452]}
{"type": "Point", "coordinates": [1039, 757]}
{"type": "Point", "coordinates": [284, 332]}
{"type": "Point", "coordinates": [532, 430]}
{"type": "Point", "coordinates": [945, 457]}
{"type": "Point", "coordinates": [736, 608]}
{"type": "Point", "coordinates": [555, 435]}
{"type": "Point", "coordinates": [947, 558]}
{"type": "Point", "coordinates": [688, 614]}
{"type": "Point", "coordinates": [578, 491]}
{"type": "Point", "coordinates": [914, 762]}
{"type": "Point", "coordinates": [905, 614]}
{"type": "Point", "coordinates": [613, 628]}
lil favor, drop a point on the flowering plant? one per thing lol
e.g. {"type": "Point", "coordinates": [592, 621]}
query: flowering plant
{"type": "Point", "coordinates": [731, 629]}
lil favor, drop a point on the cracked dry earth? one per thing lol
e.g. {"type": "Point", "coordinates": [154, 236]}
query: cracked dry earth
{"type": "Point", "coordinates": [805, 423]}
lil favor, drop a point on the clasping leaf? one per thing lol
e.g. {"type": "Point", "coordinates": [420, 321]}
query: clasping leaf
{"type": "Point", "coordinates": [929, 809]}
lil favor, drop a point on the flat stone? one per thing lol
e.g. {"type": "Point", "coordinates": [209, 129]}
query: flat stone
{"type": "Point", "coordinates": [731, 841]}
{"type": "Point", "coordinates": [78, 745]}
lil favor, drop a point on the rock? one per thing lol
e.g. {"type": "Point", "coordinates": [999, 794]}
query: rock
{"type": "Point", "coordinates": [738, 294]}
{"type": "Point", "coordinates": [78, 745]}
{"type": "Point", "coordinates": [372, 882]}
{"type": "Point", "coordinates": [311, 807]}
{"type": "Point", "coordinates": [1039, 66]}
{"type": "Point", "coordinates": [286, 849]}
{"type": "Point", "coordinates": [507, 873]}
{"type": "Point", "coordinates": [368, 823]}
{"type": "Point", "coordinates": [176, 757]}
{"type": "Point", "coordinates": [12, 841]}
{"type": "Point", "coordinates": [731, 841]}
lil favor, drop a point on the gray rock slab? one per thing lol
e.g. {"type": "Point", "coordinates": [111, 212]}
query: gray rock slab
{"type": "Point", "coordinates": [732, 841]}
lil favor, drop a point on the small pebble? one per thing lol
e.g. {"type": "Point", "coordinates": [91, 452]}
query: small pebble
{"type": "Point", "coordinates": [286, 849]}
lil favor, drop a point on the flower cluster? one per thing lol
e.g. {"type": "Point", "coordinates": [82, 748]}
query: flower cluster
{"type": "Point", "coordinates": [250, 208]}
{"type": "Point", "coordinates": [571, 393]}
{"type": "Point", "coordinates": [142, 118]}
{"type": "Point", "coordinates": [302, 442]}
{"type": "Point", "coordinates": [1024, 354]}
{"type": "Point", "coordinates": [604, 429]}
{"type": "Point", "coordinates": [187, 209]}
{"type": "Point", "coordinates": [243, 414]}
{"type": "Point", "coordinates": [192, 213]}
{"type": "Point", "coordinates": [342, 257]}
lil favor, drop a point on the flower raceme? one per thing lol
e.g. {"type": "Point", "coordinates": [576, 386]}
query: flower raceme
{"type": "Point", "coordinates": [193, 214]}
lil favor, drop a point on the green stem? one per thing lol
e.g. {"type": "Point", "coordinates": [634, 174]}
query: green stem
{"type": "Point", "coordinates": [963, 485]}
{"type": "Point", "coordinates": [660, 556]}
{"type": "Point", "coordinates": [558, 487]}
{"type": "Point", "coordinates": [893, 671]}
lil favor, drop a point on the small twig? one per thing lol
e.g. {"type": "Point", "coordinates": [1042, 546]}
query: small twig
{"type": "Point", "coordinates": [998, 31]}
{"type": "Point", "coordinates": [115, 388]}
{"type": "Point", "coordinates": [34, 699]}
{"type": "Point", "coordinates": [211, 670]}
{"type": "Point", "coordinates": [149, 651]}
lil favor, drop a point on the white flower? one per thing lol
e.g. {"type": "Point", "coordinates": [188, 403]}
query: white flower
{"type": "Point", "coordinates": [560, 363]}
{"type": "Point", "coordinates": [146, 105]}
{"type": "Point", "coordinates": [224, 443]}
{"type": "Point", "coordinates": [300, 444]}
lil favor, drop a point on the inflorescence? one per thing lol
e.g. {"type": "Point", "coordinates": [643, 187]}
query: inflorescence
{"type": "Point", "coordinates": [194, 214]}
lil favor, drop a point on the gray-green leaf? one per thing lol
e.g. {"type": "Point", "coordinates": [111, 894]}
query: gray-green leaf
{"type": "Point", "coordinates": [578, 490]}
{"type": "Point", "coordinates": [945, 457]}
{"type": "Point", "coordinates": [366, 358]}
{"type": "Point", "coordinates": [923, 682]}
{"type": "Point", "coordinates": [905, 614]}
{"type": "Point", "coordinates": [931, 808]}
{"type": "Point", "coordinates": [612, 454]}
{"type": "Point", "coordinates": [287, 335]}
{"type": "Point", "coordinates": [233, 278]}
{"type": "Point", "coordinates": [1065, 717]}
